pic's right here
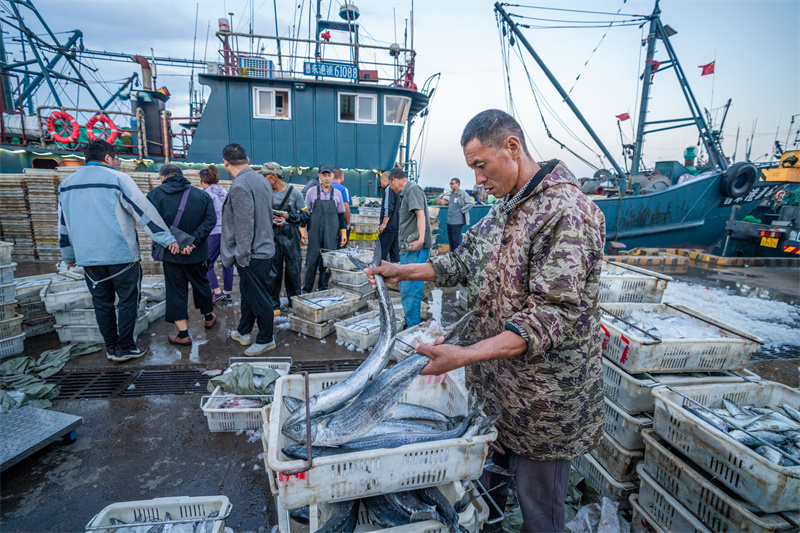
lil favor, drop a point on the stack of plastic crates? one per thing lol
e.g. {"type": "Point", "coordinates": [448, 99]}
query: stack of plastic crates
{"type": "Point", "coordinates": [12, 338]}
{"type": "Point", "coordinates": [444, 464]}
{"type": "Point", "coordinates": [35, 318]}
{"type": "Point", "coordinates": [41, 186]}
{"type": "Point", "coordinates": [696, 477]}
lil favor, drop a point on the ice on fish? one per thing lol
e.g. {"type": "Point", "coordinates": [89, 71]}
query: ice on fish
{"type": "Point", "coordinates": [665, 326]}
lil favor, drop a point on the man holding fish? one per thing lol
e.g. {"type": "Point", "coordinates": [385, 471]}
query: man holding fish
{"type": "Point", "coordinates": [532, 268]}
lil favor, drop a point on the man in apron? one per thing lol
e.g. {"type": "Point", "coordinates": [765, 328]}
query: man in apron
{"type": "Point", "coordinates": [326, 227]}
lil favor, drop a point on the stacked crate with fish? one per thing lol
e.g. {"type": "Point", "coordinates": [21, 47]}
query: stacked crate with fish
{"type": "Point", "coordinates": [12, 338]}
{"type": "Point", "coordinates": [313, 314]}
{"type": "Point", "coordinates": [354, 281]}
{"type": "Point", "coordinates": [361, 331]}
{"type": "Point", "coordinates": [645, 346]}
{"type": "Point", "coordinates": [365, 224]}
{"type": "Point", "coordinates": [722, 457]}
{"type": "Point", "coordinates": [200, 514]}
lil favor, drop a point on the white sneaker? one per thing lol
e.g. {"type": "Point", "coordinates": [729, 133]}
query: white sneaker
{"type": "Point", "coordinates": [244, 340]}
{"type": "Point", "coordinates": [259, 348]}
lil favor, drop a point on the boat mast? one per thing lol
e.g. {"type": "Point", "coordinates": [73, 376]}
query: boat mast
{"type": "Point", "coordinates": [561, 91]}
{"type": "Point", "coordinates": [648, 81]}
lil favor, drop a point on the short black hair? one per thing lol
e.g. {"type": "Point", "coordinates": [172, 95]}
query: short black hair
{"type": "Point", "coordinates": [456, 180]}
{"type": "Point", "coordinates": [397, 174]}
{"type": "Point", "coordinates": [170, 170]}
{"type": "Point", "coordinates": [492, 127]}
{"type": "Point", "coordinates": [234, 154]}
{"type": "Point", "coordinates": [98, 150]}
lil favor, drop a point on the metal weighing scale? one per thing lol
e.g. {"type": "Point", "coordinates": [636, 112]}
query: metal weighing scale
{"type": "Point", "coordinates": [29, 429]}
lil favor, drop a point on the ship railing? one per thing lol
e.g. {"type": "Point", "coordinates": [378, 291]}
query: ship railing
{"type": "Point", "coordinates": [180, 141]}
{"type": "Point", "coordinates": [4, 137]}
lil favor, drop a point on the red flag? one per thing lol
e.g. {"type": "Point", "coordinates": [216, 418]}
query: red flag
{"type": "Point", "coordinates": [623, 116]}
{"type": "Point", "coordinates": [707, 69]}
{"type": "Point", "coordinates": [655, 63]}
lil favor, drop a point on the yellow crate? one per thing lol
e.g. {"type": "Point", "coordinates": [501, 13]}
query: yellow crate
{"type": "Point", "coordinates": [355, 236]}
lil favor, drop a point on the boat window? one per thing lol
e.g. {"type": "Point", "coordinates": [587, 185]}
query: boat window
{"type": "Point", "coordinates": [395, 109]}
{"type": "Point", "coordinates": [357, 108]}
{"type": "Point", "coordinates": [270, 103]}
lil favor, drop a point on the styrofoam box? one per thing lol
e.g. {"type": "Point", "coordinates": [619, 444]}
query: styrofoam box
{"type": "Point", "coordinates": [634, 392]}
{"type": "Point", "coordinates": [383, 471]}
{"type": "Point", "coordinates": [339, 260]}
{"type": "Point", "coordinates": [637, 353]}
{"type": "Point", "coordinates": [770, 487]}
{"type": "Point", "coordinates": [641, 522]}
{"type": "Point", "coordinates": [636, 285]}
{"type": "Point", "coordinates": [12, 345]}
{"type": "Point", "coordinates": [601, 481]}
{"type": "Point", "coordinates": [7, 272]}
{"type": "Point", "coordinates": [92, 333]}
{"type": "Point", "coordinates": [619, 462]}
{"type": "Point", "coordinates": [68, 295]}
{"type": "Point", "coordinates": [181, 509]}
{"type": "Point", "coordinates": [359, 338]}
{"type": "Point", "coordinates": [307, 310]}
{"type": "Point", "coordinates": [222, 420]}
{"type": "Point", "coordinates": [664, 509]}
{"type": "Point", "coordinates": [706, 500]}
{"type": "Point", "coordinates": [624, 428]}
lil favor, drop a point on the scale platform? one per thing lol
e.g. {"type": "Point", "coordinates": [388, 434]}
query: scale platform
{"type": "Point", "coordinates": [29, 429]}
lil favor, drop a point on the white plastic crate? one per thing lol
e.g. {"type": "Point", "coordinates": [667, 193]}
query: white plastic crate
{"type": "Point", "coordinates": [602, 482]}
{"type": "Point", "coordinates": [7, 272]}
{"type": "Point", "coordinates": [181, 509]}
{"type": "Point", "coordinates": [625, 283]}
{"type": "Point", "coordinates": [39, 326]}
{"type": "Point", "coordinates": [312, 329]}
{"type": "Point", "coordinates": [76, 317]}
{"type": "Point", "coordinates": [92, 333]}
{"type": "Point", "coordinates": [8, 310]}
{"type": "Point", "coordinates": [5, 251]}
{"type": "Point", "coordinates": [7, 292]}
{"type": "Point", "coordinates": [634, 393]}
{"type": "Point", "coordinates": [618, 461]}
{"type": "Point", "coordinates": [623, 427]}
{"type": "Point", "coordinates": [362, 288]}
{"type": "Point", "coordinates": [353, 475]}
{"type": "Point", "coordinates": [223, 420]}
{"type": "Point", "coordinates": [637, 353]}
{"type": "Point", "coordinates": [350, 277]}
{"type": "Point", "coordinates": [338, 259]}
{"type": "Point", "coordinates": [68, 295]}
{"type": "Point", "coordinates": [641, 522]}
{"type": "Point", "coordinates": [369, 211]}
{"type": "Point", "coordinates": [157, 310]}
{"type": "Point", "coordinates": [33, 309]}
{"type": "Point", "coordinates": [718, 511]}
{"type": "Point", "coordinates": [11, 327]}
{"type": "Point", "coordinates": [154, 288]}
{"type": "Point", "coordinates": [306, 309]}
{"type": "Point", "coordinates": [12, 345]}
{"type": "Point", "coordinates": [770, 487]}
{"type": "Point", "coordinates": [361, 218]}
{"type": "Point", "coordinates": [665, 510]}
{"type": "Point", "coordinates": [28, 288]}
{"type": "Point", "coordinates": [362, 338]}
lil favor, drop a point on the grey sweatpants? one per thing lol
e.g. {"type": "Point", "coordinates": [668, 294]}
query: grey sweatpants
{"type": "Point", "coordinates": [541, 488]}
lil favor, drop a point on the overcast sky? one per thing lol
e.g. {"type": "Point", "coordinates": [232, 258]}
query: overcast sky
{"type": "Point", "coordinates": [755, 45]}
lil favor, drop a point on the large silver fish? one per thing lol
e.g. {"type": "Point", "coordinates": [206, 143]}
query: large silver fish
{"type": "Point", "coordinates": [340, 393]}
{"type": "Point", "coordinates": [343, 517]}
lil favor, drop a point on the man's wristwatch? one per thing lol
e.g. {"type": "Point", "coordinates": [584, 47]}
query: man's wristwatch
{"type": "Point", "coordinates": [510, 326]}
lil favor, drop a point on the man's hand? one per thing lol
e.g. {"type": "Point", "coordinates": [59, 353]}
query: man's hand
{"type": "Point", "coordinates": [390, 272]}
{"type": "Point", "coordinates": [278, 221]}
{"type": "Point", "coordinates": [416, 246]}
{"type": "Point", "coordinates": [72, 265]}
{"type": "Point", "coordinates": [303, 238]}
{"type": "Point", "coordinates": [174, 248]}
{"type": "Point", "coordinates": [443, 357]}
{"type": "Point", "coordinates": [188, 250]}
{"type": "Point", "coordinates": [382, 227]}
{"type": "Point", "coordinates": [343, 238]}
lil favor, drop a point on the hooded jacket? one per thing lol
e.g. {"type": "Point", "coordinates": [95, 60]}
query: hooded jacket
{"type": "Point", "coordinates": [198, 216]}
{"type": "Point", "coordinates": [218, 195]}
{"type": "Point", "coordinates": [534, 263]}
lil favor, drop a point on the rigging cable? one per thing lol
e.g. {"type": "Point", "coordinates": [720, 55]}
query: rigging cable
{"type": "Point", "coordinates": [571, 10]}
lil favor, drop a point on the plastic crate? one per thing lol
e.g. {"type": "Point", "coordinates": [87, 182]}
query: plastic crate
{"type": "Point", "coordinates": [11, 327]}
{"type": "Point", "coordinates": [340, 261]}
{"type": "Point", "coordinates": [623, 427]}
{"type": "Point", "coordinates": [634, 393]}
{"type": "Point", "coordinates": [349, 277]}
{"type": "Point", "coordinates": [360, 218]}
{"type": "Point", "coordinates": [639, 353]}
{"type": "Point", "coordinates": [312, 329]}
{"type": "Point", "coordinates": [307, 310]}
{"type": "Point", "coordinates": [357, 236]}
{"type": "Point", "coordinates": [362, 289]}
{"type": "Point", "coordinates": [369, 211]}
{"type": "Point", "coordinates": [12, 345]}
{"type": "Point", "coordinates": [28, 289]}
{"type": "Point", "coordinates": [372, 305]}
{"type": "Point", "coordinates": [365, 229]}
{"type": "Point", "coordinates": [665, 510]}
{"type": "Point", "coordinates": [92, 333]}
{"type": "Point", "coordinates": [76, 317]}
{"type": "Point", "coordinates": [7, 293]}
{"type": "Point", "coordinates": [39, 326]}
{"type": "Point", "coordinates": [157, 310]}
{"type": "Point", "coordinates": [8, 310]}
{"type": "Point", "coordinates": [641, 522]}
{"type": "Point", "coordinates": [223, 420]}
{"type": "Point", "coordinates": [68, 295]}
{"type": "Point", "coordinates": [719, 511]}
{"type": "Point", "coordinates": [181, 509]}
{"type": "Point", "coordinates": [7, 272]}
{"type": "Point", "coordinates": [770, 487]}
{"type": "Point", "coordinates": [154, 288]}
{"type": "Point", "coordinates": [33, 310]}
{"type": "Point", "coordinates": [602, 482]}
{"type": "Point", "coordinates": [5, 251]}
{"type": "Point", "coordinates": [625, 283]}
{"type": "Point", "coordinates": [359, 338]}
{"type": "Point", "coordinates": [353, 475]}
{"type": "Point", "coordinates": [618, 461]}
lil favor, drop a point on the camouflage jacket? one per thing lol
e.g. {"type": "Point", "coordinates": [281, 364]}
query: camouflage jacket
{"type": "Point", "coordinates": [535, 261]}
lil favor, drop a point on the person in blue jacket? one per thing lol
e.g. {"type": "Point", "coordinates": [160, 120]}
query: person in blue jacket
{"type": "Point", "coordinates": [98, 209]}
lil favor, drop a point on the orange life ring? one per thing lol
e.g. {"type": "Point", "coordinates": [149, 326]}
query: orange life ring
{"type": "Point", "coordinates": [780, 195]}
{"type": "Point", "coordinates": [108, 125]}
{"type": "Point", "coordinates": [68, 120]}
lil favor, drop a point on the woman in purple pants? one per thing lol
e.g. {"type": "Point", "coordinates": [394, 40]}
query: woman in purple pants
{"type": "Point", "coordinates": [209, 179]}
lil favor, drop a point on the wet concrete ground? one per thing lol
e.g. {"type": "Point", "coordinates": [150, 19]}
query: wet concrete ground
{"type": "Point", "coordinates": [156, 446]}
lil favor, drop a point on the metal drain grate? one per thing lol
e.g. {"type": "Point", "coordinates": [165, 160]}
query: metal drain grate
{"type": "Point", "coordinates": [76, 385]}
{"type": "Point", "coordinates": [151, 382]}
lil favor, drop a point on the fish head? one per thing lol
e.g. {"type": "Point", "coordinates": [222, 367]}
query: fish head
{"type": "Point", "coordinates": [297, 431]}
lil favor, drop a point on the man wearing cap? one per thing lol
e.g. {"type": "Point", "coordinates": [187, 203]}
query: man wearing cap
{"type": "Point", "coordinates": [288, 212]}
{"type": "Point", "coordinates": [327, 229]}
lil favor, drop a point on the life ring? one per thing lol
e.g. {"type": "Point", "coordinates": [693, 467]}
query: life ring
{"type": "Point", "coordinates": [68, 120]}
{"type": "Point", "coordinates": [780, 195]}
{"type": "Point", "coordinates": [738, 179]}
{"type": "Point", "coordinates": [108, 125]}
